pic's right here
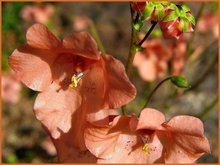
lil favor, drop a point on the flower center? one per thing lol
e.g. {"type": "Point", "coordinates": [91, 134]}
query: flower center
{"type": "Point", "coordinates": [145, 149]}
{"type": "Point", "coordinates": [75, 79]}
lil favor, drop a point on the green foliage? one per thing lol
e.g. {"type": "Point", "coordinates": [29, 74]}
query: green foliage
{"type": "Point", "coordinates": [154, 7]}
{"type": "Point", "coordinates": [138, 25]}
{"type": "Point", "coordinates": [12, 158]}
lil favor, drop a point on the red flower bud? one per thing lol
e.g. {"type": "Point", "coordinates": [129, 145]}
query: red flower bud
{"type": "Point", "coordinates": [138, 6]}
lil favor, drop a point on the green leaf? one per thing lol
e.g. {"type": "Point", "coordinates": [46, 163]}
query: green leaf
{"type": "Point", "coordinates": [139, 48]}
{"type": "Point", "coordinates": [185, 24]}
{"type": "Point", "coordinates": [148, 11]}
{"type": "Point", "coordinates": [180, 81]}
{"type": "Point", "coordinates": [160, 12]}
{"type": "Point", "coordinates": [138, 25]}
{"type": "Point", "coordinates": [191, 18]}
{"type": "Point", "coordinates": [185, 8]}
{"type": "Point", "coordinates": [172, 16]}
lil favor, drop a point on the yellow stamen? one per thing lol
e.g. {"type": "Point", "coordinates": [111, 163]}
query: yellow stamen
{"type": "Point", "coordinates": [75, 79]}
{"type": "Point", "coordinates": [145, 149]}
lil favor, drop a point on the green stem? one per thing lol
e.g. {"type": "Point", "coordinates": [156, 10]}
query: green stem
{"type": "Point", "coordinates": [93, 30]}
{"type": "Point", "coordinates": [208, 109]}
{"type": "Point", "coordinates": [131, 52]}
{"type": "Point", "coordinates": [154, 90]}
{"type": "Point", "coordinates": [148, 33]}
{"type": "Point", "coordinates": [189, 45]}
{"type": "Point", "coordinates": [132, 45]}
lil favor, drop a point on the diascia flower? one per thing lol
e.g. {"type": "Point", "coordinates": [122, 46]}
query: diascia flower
{"type": "Point", "coordinates": [37, 13]}
{"type": "Point", "coordinates": [148, 139]}
{"type": "Point", "coordinates": [152, 62]}
{"type": "Point", "coordinates": [11, 88]}
{"type": "Point", "coordinates": [176, 21]}
{"type": "Point", "coordinates": [74, 79]}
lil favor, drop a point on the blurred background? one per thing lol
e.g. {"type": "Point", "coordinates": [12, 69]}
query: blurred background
{"type": "Point", "coordinates": [194, 56]}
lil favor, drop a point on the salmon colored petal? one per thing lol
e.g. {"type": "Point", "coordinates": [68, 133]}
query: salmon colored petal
{"type": "Point", "coordinates": [185, 148]}
{"type": "Point", "coordinates": [119, 89]}
{"type": "Point", "coordinates": [129, 150]}
{"type": "Point", "coordinates": [82, 44]}
{"type": "Point", "coordinates": [38, 36]}
{"type": "Point", "coordinates": [186, 125]}
{"type": "Point", "coordinates": [147, 68]}
{"type": "Point", "coordinates": [101, 140]}
{"type": "Point", "coordinates": [102, 117]}
{"type": "Point", "coordinates": [67, 153]}
{"type": "Point", "coordinates": [150, 119]}
{"type": "Point", "coordinates": [54, 108]}
{"type": "Point", "coordinates": [32, 67]}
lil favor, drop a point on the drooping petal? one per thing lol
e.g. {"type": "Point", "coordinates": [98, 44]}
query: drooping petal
{"type": "Point", "coordinates": [38, 36]}
{"type": "Point", "coordinates": [119, 90]}
{"type": "Point", "coordinates": [82, 44]}
{"type": "Point", "coordinates": [150, 119]}
{"type": "Point", "coordinates": [54, 108]}
{"type": "Point", "coordinates": [33, 66]}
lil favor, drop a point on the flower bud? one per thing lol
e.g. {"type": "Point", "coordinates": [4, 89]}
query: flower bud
{"type": "Point", "coordinates": [180, 82]}
{"type": "Point", "coordinates": [177, 20]}
{"type": "Point", "coordinates": [138, 25]}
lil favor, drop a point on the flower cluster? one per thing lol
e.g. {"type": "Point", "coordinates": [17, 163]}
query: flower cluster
{"type": "Point", "coordinates": [173, 19]}
{"type": "Point", "coordinates": [80, 90]}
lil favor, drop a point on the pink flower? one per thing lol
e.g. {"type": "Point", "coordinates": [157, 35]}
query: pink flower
{"type": "Point", "coordinates": [178, 57]}
{"type": "Point", "coordinates": [48, 146]}
{"type": "Point", "coordinates": [11, 88]}
{"type": "Point", "coordinates": [75, 82]}
{"type": "Point", "coordinates": [37, 13]}
{"type": "Point", "coordinates": [148, 139]}
{"type": "Point", "coordinates": [81, 23]}
{"type": "Point", "coordinates": [175, 28]}
{"type": "Point", "coordinates": [171, 29]}
{"type": "Point", "coordinates": [152, 62]}
{"type": "Point", "coordinates": [208, 22]}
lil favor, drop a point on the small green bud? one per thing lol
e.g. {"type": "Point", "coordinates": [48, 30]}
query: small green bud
{"type": "Point", "coordinates": [180, 82]}
{"type": "Point", "coordinates": [139, 48]}
{"type": "Point", "coordinates": [138, 25]}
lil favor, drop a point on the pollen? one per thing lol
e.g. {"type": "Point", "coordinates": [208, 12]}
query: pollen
{"type": "Point", "coordinates": [145, 149]}
{"type": "Point", "coordinates": [75, 80]}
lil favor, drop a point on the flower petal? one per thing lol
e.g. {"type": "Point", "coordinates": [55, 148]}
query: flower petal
{"type": "Point", "coordinates": [184, 148]}
{"type": "Point", "coordinates": [54, 108]}
{"type": "Point", "coordinates": [129, 150]}
{"type": "Point", "coordinates": [150, 119]}
{"type": "Point", "coordinates": [82, 44]}
{"type": "Point", "coordinates": [32, 67]}
{"type": "Point", "coordinates": [100, 141]}
{"type": "Point", "coordinates": [38, 36]}
{"type": "Point", "coordinates": [67, 153]}
{"type": "Point", "coordinates": [184, 141]}
{"type": "Point", "coordinates": [147, 66]}
{"type": "Point", "coordinates": [119, 89]}
{"type": "Point", "coordinates": [186, 125]}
